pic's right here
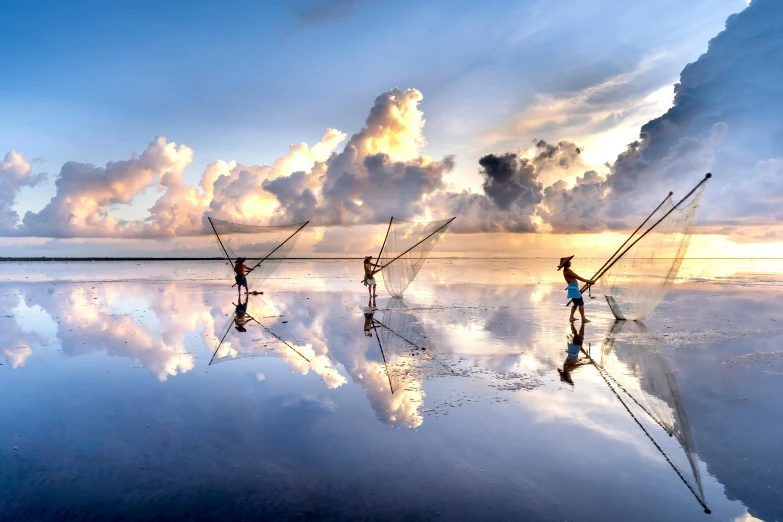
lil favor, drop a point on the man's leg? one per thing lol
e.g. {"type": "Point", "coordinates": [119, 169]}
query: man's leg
{"type": "Point", "coordinates": [573, 311]}
{"type": "Point", "coordinates": [582, 313]}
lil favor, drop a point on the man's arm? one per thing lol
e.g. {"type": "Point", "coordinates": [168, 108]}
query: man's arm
{"type": "Point", "coordinates": [579, 278]}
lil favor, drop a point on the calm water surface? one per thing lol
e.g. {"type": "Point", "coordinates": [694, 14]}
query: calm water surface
{"type": "Point", "coordinates": [129, 393]}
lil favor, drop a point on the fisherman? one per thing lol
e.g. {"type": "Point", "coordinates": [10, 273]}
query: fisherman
{"type": "Point", "coordinates": [369, 280]}
{"type": "Point", "coordinates": [240, 271]}
{"type": "Point", "coordinates": [573, 288]}
{"type": "Point", "coordinates": [240, 314]}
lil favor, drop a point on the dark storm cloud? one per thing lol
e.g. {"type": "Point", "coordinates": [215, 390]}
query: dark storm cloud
{"type": "Point", "coordinates": [509, 179]}
{"type": "Point", "coordinates": [725, 120]}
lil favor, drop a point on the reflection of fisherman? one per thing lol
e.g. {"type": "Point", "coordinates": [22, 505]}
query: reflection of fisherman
{"type": "Point", "coordinates": [575, 341]}
{"type": "Point", "coordinates": [241, 318]}
{"type": "Point", "coordinates": [369, 272]}
{"type": "Point", "coordinates": [574, 294]}
{"type": "Point", "coordinates": [368, 319]}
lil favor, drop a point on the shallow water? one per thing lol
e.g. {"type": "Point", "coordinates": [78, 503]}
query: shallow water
{"type": "Point", "coordinates": [128, 392]}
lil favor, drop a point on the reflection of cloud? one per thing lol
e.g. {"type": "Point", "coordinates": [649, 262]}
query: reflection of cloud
{"type": "Point", "coordinates": [263, 339]}
{"type": "Point", "coordinates": [307, 401]}
{"type": "Point", "coordinates": [16, 342]}
{"type": "Point", "coordinates": [87, 323]}
{"type": "Point", "coordinates": [15, 357]}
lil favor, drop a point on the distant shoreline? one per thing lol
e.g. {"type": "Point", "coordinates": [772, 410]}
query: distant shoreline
{"type": "Point", "coordinates": [153, 259]}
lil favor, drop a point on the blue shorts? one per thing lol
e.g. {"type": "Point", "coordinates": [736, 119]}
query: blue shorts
{"type": "Point", "coordinates": [578, 301]}
{"type": "Point", "coordinates": [241, 280]}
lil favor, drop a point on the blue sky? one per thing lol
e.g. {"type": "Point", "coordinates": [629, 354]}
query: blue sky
{"type": "Point", "coordinates": [94, 82]}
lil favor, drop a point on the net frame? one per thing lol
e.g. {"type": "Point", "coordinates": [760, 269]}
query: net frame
{"type": "Point", "coordinates": [638, 282]}
{"type": "Point", "coordinates": [256, 350]}
{"type": "Point", "coordinates": [279, 241]}
{"type": "Point", "coordinates": [405, 248]}
{"type": "Point", "coordinates": [668, 209]}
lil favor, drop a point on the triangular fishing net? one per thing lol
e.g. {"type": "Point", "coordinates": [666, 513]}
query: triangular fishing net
{"type": "Point", "coordinates": [263, 247]}
{"type": "Point", "coordinates": [632, 363]}
{"type": "Point", "coordinates": [639, 280]}
{"type": "Point", "coordinates": [406, 247]}
{"type": "Point", "coordinates": [257, 340]}
{"type": "Point", "coordinates": [405, 348]}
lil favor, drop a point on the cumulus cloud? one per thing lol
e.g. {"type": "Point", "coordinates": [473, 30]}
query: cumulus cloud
{"type": "Point", "coordinates": [724, 120]}
{"type": "Point", "coordinates": [512, 189]}
{"type": "Point", "coordinates": [378, 174]}
{"type": "Point", "coordinates": [15, 173]}
{"type": "Point", "coordinates": [85, 193]}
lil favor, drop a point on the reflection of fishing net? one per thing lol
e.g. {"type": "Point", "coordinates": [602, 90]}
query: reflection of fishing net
{"type": "Point", "coordinates": [405, 249]}
{"type": "Point", "coordinates": [407, 354]}
{"type": "Point", "coordinates": [257, 340]}
{"type": "Point", "coordinates": [639, 372]}
{"type": "Point", "coordinates": [265, 245]}
{"type": "Point", "coordinates": [636, 283]}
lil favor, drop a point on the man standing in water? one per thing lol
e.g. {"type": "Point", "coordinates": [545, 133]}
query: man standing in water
{"type": "Point", "coordinates": [369, 280]}
{"type": "Point", "coordinates": [239, 277]}
{"type": "Point", "coordinates": [574, 294]}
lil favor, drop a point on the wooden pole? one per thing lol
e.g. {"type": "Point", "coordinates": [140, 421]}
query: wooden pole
{"type": "Point", "coordinates": [585, 286]}
{"type": "Point", "coordinates": [218, 238]}
{"type": "Point", "coordinates": [377, 259]}
{"type": "Point", "coordinates": [708, 176]}
{"type": "Point", "coordinates": [420, 242]}
{"type": "Point", "coordinates": [277, 247]}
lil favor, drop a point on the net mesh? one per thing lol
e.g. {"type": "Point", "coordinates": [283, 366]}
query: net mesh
{"type": "Point", "coordinates": [637, 283]}
{"type": "Point", "coordinates": [256, 339]}
{"type": "Point", "coordinates": [632, 360]}
{"type": "Point", "coordinates": [407, 354]}
{"type": "Point", "coordinates": [268, 246]}
{"type": "Point", "coordinates": [406, 248]}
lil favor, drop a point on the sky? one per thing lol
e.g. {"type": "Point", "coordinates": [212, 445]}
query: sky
{"type": "Point", "coordinates": [542, 126]}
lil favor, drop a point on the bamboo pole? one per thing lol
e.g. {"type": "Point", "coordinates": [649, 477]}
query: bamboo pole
{"type": "Point", "coordinates": [420, 242]}
{"type": "Point", "coordinates": [708, 176]}
{"type": "Point", "coordinates": [585, 286]}
{"type": "Point", "coordinates": [277, 247]}
{"type": "Point", "coordinates": [378, 259]}
{"type": "Point", "coordinates": [218, 238]}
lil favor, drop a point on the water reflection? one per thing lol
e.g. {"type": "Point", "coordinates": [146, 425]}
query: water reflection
{"type": "Point", "coordinates": [491, 354]}
{"type": "Point", "coordinates": [574, 350]}
{"type": "Point", "coordinates": [641, 379]}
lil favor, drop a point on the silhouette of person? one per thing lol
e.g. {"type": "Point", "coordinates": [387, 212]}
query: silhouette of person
{"type": "Point", "coordinates": [575, 341]}
{"type": "Point", "coordinates": [241, 318]}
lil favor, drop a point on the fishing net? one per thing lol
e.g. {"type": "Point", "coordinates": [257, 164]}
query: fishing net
{"type": "Point", "coordinates": [635, 369]}
{"type": "Point", "coordinates": [406, 247]}
{"type": "Point", "coordinates": [263, 247]}
{"type": "Point", "coordinates": [245, 337]}
{"type": "Point", "coordinates": [405, 348]}
{"type": "Point", "coordinates": [639, 280]}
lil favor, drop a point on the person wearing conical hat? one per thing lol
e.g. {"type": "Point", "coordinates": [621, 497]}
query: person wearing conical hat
{"type": "Point", "coordinates": [239, 275]}
{"type": "Point", "coordinates": [369, 280]}
{"type": "Point", "coordinates": [574, 294]}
